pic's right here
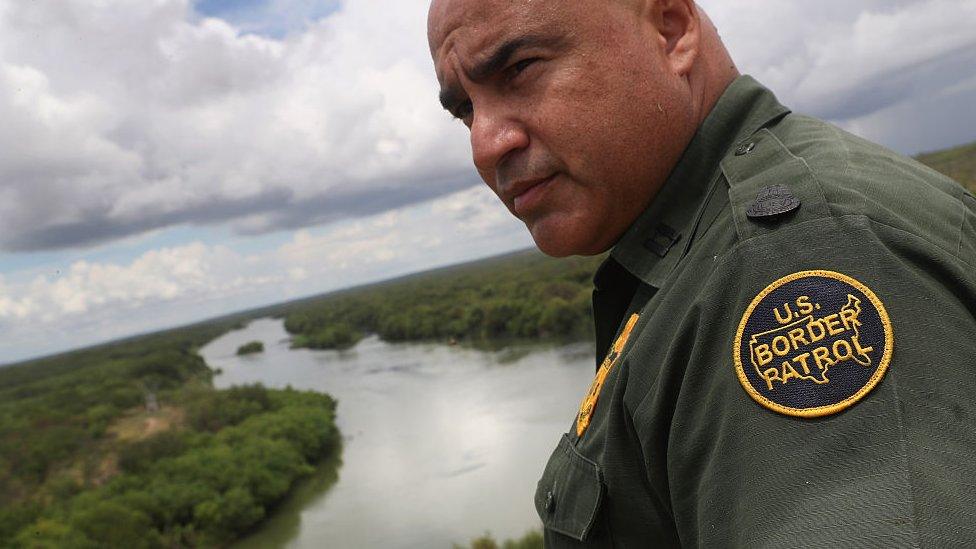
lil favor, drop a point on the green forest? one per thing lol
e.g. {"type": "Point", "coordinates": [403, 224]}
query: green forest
{"type": "Point", "coordinates": [129, 445]}
{"type": "Point", "coordinates": [522, 296]}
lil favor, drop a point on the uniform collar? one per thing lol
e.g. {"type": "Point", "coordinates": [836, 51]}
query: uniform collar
{"type": "Point", "coordinates": [662, 235]}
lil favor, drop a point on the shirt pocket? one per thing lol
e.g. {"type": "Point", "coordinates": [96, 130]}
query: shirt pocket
{"type": "Point", "coordinates": [569, 494]}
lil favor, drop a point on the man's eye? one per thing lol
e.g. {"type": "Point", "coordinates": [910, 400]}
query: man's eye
{"type": "Point", "coordinates": [523, 64]}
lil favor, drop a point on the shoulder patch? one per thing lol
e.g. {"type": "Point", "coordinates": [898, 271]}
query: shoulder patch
{"type": "Point", "coordinates": [812, 344]}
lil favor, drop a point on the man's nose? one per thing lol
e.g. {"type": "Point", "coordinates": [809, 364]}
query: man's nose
{"type": "Point", "coordinates": [495, 134]}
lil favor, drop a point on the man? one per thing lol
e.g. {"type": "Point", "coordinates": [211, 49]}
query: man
{"type": "Point", "coordinates": [786, 318]}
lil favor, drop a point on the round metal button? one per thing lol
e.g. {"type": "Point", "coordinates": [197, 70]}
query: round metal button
{"type": "Point", "coordinates": [745, 148]}
{"type": "Point", "coordinates": [550, 502]}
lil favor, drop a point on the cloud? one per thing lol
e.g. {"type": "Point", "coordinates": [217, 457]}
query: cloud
{"type": "Point", "coordinates": [463, 225]}
{"type": "Point", "coordinates": [862, 65]}
{"type": "Point", "coordinates": [175, 285]}
{"type": "Point", "coordinates": [124, 116]}
{"type": "Point", "coordinates": [167, 274]}
{"type": "Point", "coordinates": [96, 301]}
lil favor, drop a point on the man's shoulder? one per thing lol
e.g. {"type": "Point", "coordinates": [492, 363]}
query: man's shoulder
{"type": "Point", "coordinates": [845, 163]}
{"type": "Point", "coordinates": [838, 175]}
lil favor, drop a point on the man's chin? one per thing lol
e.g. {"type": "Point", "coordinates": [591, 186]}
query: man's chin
{"type": "Point", "coordinates": [558, 241]}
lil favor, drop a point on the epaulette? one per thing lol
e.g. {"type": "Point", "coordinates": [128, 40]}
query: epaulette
{"type": "Point", "coordinates": [769, 186]}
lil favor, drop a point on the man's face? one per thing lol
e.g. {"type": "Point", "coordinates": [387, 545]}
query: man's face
{"type": "Point", "coordinates": [573, 110]}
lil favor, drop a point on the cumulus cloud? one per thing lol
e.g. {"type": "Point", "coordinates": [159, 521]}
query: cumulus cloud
{"type": "Point", "coordinates": [463, 225]}
{"type": "Point", "coordinates": [166, 274]}
{"type": "Point", "coordinates": [125, 115]}
{"type": "Point", "coordinates": [865, 64]}
{"type": "Point", "coordinates": [91, 300]}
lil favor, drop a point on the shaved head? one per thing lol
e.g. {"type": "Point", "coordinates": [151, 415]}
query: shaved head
{"type": "Point", "coordinates": [578, 111]}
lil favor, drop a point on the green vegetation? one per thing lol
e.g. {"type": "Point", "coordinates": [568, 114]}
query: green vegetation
{"type": "Point", "coordinates": [531, 540]}
{"type": "Point", "coordinates": [251, 348]}
{"type": "Point", "coordinates": [521, 296]}
{"type": "Point", "coordinates": [958, 163]}
{"type": "Point", "coordinates": [128, 445]}
{"type": "Point", "coordinates": [338, 335]}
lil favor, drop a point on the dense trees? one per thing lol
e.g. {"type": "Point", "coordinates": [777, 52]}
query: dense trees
{"type": "Point", "coordinates": [250, 348]}
{"type": "Point", "coordinates": [521, 296]}
{"type": "Point", "coordinates": [202, 484]}
{"type": "Point", "coordinates": [80, 466]}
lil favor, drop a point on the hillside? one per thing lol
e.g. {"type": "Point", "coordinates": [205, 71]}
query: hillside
{"type": "Point", "coordinates": [958, 163]}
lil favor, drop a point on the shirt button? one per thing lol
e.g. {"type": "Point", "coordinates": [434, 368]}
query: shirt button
{"type": "Point", "coordinates": [745, 148]}
{"type": "Point", "coordinates": [550, 502]}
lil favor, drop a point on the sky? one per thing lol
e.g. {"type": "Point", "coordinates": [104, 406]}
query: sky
{"type": "Point", "coordinates": [166, 161]}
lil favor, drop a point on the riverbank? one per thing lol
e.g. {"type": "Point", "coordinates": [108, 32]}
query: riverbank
{"type": "Point", "coordinates": [518, 298]}
{"type": "Point", "coordinates": [130, 445]}
{"type": "Point", "coordinates": [440, 443]}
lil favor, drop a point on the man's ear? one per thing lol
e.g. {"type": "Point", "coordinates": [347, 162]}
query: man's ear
{"type": "Point", "coordinates": [679, 24]}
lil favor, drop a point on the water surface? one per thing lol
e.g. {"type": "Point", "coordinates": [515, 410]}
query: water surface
{"type": "Point", "coordinates": [442, 443]}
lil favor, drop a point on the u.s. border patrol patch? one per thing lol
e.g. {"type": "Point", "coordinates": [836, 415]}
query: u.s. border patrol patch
{"type": "Point", "coordinates": [812, 344]}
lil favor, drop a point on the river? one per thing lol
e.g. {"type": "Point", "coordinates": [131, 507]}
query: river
{"type": "Point", "coordinates": [441, 443]}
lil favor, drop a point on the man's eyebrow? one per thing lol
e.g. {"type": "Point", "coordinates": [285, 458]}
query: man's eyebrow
{"type": "Point", "coordinates": [496, 61]}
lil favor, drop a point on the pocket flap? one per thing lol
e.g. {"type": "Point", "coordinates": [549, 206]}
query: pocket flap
{"type": "Point", "coordinates": [569, 493]}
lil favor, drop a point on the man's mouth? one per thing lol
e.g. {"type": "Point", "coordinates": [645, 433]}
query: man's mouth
{"type": "Point", "coordinates": [528, 195]}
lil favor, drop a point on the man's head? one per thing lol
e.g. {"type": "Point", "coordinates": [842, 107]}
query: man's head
{"type": "Point", "coordinates": [578, 110]}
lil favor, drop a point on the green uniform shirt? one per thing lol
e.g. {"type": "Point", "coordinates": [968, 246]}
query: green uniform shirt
{"type": "Point", "coordinates": [714, 422]}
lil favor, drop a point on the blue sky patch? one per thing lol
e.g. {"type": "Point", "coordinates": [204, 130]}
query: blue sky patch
{"type": "Point", "coordinates": [274, 18]}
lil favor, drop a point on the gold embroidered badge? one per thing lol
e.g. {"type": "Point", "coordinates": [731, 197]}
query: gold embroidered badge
{"type": "Point", "coordinates": [812, 344]}
{"type": "Point", "coordinates": [589, 401]}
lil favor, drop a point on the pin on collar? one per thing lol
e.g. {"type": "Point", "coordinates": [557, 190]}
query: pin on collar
{"type": "Point", "coordinates": [772, 201]}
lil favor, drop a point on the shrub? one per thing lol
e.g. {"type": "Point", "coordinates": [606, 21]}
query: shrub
{"type": "Point", "coordinates": [251, 348]}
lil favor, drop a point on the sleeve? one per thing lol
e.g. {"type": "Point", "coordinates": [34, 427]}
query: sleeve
{"type": "Point", "coordinates": [827, 399]}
